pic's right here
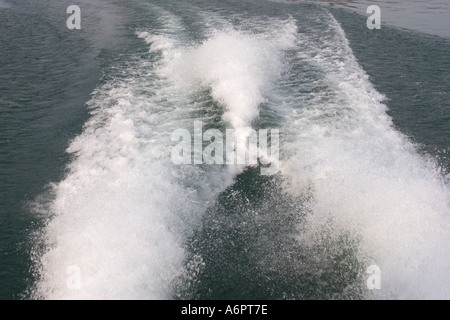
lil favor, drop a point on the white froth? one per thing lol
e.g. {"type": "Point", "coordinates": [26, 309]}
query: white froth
{"type": "Point", "coordinates": [239, 68]}
{"type": "Point", "coordinates": [366, 178]}
{"type": "Point", "coordinates": [124, 211]}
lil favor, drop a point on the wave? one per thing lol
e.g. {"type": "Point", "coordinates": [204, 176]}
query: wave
{"type": "Point", "coordinates": [122, 218]}
{"type": "Point", "coordinates": [366, 179]}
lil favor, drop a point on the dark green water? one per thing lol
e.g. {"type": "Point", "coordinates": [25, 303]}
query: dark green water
{"type": "Point", "coordinates": [245, 243]}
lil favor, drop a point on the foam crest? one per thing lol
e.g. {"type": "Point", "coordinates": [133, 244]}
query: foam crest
{"type": "Point", "coordinates": [239, 68]}
{"type": "Point", "coordinates": [366, 179]}
{"type": "Point", "coordinates": [121, 216]}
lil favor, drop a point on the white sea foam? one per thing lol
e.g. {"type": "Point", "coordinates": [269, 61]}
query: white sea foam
{"type": "Point", "coordinates": [238, 67]}
{"type": "Point", "coordinates": [124, 211]}
{"type": "Point", "coordinates": [366, 179]}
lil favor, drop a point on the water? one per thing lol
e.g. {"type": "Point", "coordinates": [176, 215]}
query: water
{"type": "Point", "coordinates": [88, 188]}
{"type": "Point", "coordinates": [425, 16]}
